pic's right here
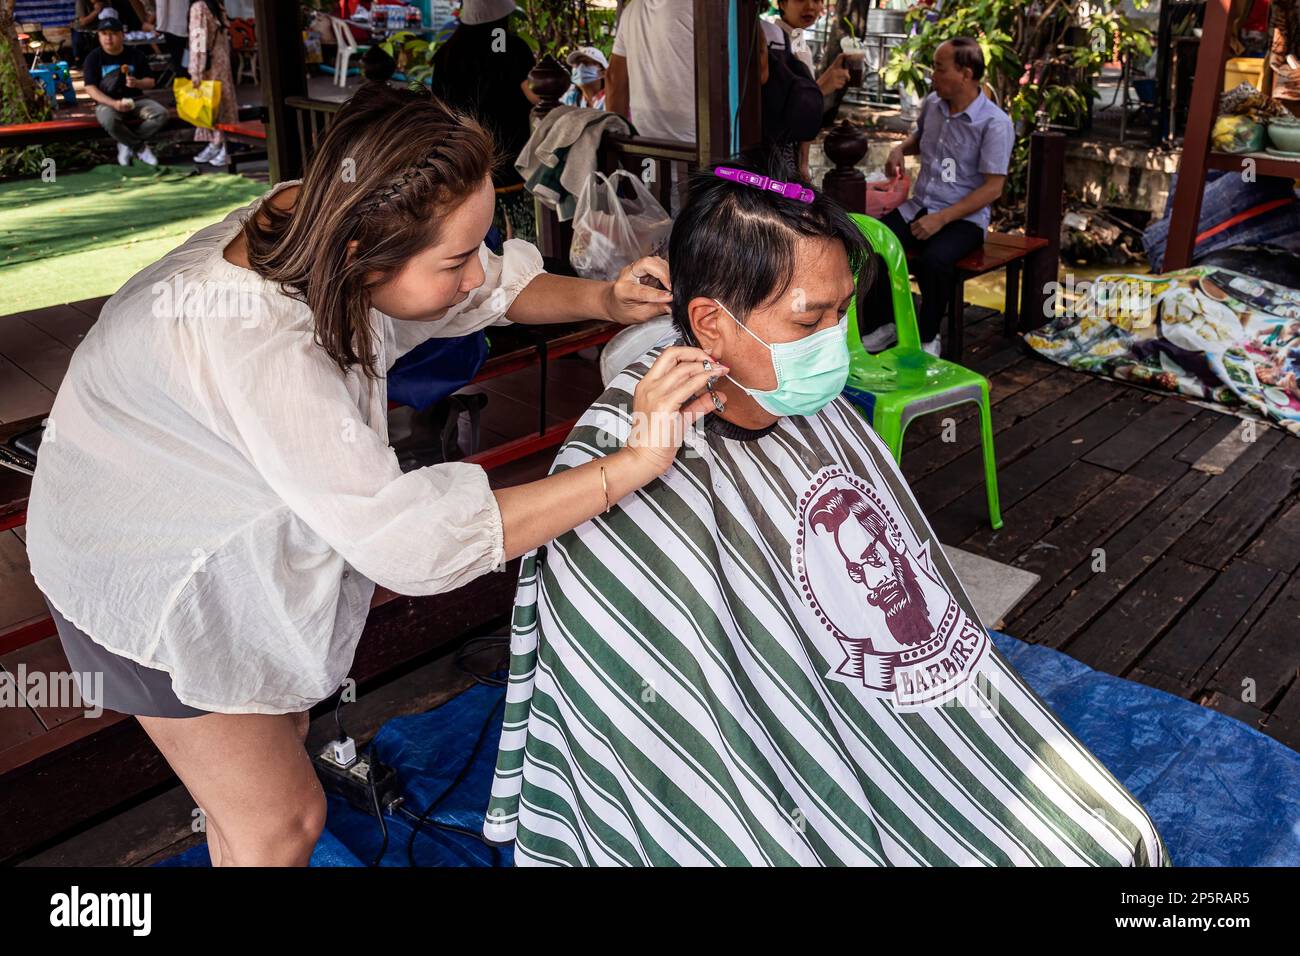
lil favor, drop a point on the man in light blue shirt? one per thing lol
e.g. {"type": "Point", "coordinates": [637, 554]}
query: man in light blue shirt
{"type": "Point", "coordinates": [965, 143]}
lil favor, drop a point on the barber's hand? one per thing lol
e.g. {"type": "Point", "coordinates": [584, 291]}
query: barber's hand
{"type": "Point", "coordinates": [629, 300]}
{"type": "Point", "coordinates": [894, 163]}
{"type": "Point", "coordinates": [927, 226]}
{"type": "Point", "coordinates": [671, 396]}
{"type": "Point", "coordinates": [835, 77]}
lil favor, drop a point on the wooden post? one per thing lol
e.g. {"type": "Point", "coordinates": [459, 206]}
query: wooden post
{"type": "Point", "coordinates": [726, 78]}
{"type": "Point", "coordinates": [1210, 60]}
{"type": "Point", "coordinates": [845, 145]}
{"type": "Point", "coordinates": [283, 74]}
{"type": "Point", "coordinates": [1044, 194]}
{"type": "Point", "coordinates": [549, 79]}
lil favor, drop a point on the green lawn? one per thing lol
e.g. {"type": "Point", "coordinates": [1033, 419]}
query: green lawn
{"type": "Point", "coordinates": [84, 234]}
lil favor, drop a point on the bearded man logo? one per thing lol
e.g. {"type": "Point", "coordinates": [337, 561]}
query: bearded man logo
{"type": "Point", "coordinates": [873, 586]}
{"type": "Point", "coordinates": [875, 559]}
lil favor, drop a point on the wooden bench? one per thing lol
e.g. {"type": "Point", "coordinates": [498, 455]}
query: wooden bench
{"type": "Point", "coordinates": [250, 132]}
{"type": "Point", "coordinates": [1000, 251]}
{"type": "Point", "coordinates": [250, 128]}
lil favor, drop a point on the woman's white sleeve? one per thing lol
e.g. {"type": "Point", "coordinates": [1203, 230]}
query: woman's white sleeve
{"type": "Point", "coordinates": [291, 414]}
{"type": "Point", "coordinates": [504, 278]}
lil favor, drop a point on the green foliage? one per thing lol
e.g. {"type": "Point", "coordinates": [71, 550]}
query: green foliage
{"type": "Point", "coordinates": [16, 107]}
{"type": "Point", "coordinates": [547, 26]}
{"type": "Point", "coordinates": [558, 27]}
{"type": "Point", "coordinates": [1041, 61]}
{"type": "Point", "coordinates": [413, 53]}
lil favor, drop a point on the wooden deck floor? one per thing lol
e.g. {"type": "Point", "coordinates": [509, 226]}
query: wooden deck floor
{"type": "Point", "coordinates": [1167, 539]}
{"type": "Point", "coordinates": [1167, 543]}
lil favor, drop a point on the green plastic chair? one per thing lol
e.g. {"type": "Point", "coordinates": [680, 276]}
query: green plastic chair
{"type": "Point", "coordinates": [906, 382]}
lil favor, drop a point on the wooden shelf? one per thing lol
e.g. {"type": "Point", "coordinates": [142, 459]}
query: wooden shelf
{"type": "Point", "coordinates": [1266, 164]}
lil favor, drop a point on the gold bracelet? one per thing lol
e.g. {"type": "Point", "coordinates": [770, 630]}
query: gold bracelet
{"type": "Point", "coordinates": [604, 486]}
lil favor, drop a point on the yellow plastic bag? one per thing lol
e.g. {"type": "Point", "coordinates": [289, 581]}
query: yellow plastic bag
{"type": "Point", "coordinates": [198, 107]}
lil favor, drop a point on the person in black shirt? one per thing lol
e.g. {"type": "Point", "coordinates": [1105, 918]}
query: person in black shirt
{"type": "Point", "coordinates": [116, 77]}
{"type": "Point", "coordinates": [483, 70]}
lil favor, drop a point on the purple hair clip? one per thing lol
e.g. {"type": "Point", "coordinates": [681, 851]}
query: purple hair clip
{"type": "Point", "coordinates": [788, 190]}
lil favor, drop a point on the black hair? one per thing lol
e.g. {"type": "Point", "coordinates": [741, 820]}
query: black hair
{"type": "Point", "coordinates": [967, 55]}
{"type": "Point", "coordinates": [377, 66]}
{"type": "Point", "coordinates": [736, 243]}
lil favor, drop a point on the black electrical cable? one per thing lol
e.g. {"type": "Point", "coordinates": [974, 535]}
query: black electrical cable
{"type": "Point", "coordinates": [452, 828]}
{"type": "Point", "coordinates": [485, 644]}
{"type": "Point", "coordinates": [338, 717]}
{"type": "Point", "coordinates": [456, 782]}
{"type": "Point", "coordinates": [374, 800]}
{"type": "Point", "coordinates": [370, 781]}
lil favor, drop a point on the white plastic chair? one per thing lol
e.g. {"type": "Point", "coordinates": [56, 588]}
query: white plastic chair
{"type": "Point", "coordinates": [347, 47]}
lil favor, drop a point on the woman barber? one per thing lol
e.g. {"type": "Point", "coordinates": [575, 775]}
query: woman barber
{"type": "Point", "coordinates": [216, 498]}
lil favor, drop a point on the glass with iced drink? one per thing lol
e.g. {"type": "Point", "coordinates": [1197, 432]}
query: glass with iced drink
{"type": "Point", "coordinates": [855, 54]}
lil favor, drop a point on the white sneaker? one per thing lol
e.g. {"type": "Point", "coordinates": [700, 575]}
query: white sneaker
{"type": "Point", "coordinates": [219, 158]}
{"type": "Point", "coordinates": [205, 153]}
{"type": "Point", "coordinates": [147, 157]}
{"type": "Point", "coordinates": [124, 154]}
{"type": "Point", "coordinates": [880, 339]}
{"type": "Point", "coordinates": [932, 346]}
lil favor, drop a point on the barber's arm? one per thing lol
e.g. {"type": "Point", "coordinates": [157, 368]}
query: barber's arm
{"type": "Point", "coordinates": [979, 197]}
{"type": "Point", "coordinates": [626, 300]}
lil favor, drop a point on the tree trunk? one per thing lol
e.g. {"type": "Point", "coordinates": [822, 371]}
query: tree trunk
{"type": "Point", "coordinates": [19, 100]}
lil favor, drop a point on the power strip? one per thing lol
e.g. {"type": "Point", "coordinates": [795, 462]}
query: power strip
{"type": "Point", "coordinates": [351, 781]}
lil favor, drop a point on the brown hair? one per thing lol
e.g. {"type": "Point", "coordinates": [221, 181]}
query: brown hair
{"type": "Point", "coordinates": [390, 167]}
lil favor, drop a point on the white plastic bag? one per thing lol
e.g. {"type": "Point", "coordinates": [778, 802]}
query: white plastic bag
{"type": "Point", "coordinates": [608, 231]}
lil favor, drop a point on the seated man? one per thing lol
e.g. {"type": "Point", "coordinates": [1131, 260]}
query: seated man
{"type": "Point", "coordinates": [764, 657]}
{"type": "Point", "coordinates": [965, 143]}
{"type": "Point", "coordinates": [116, 75]}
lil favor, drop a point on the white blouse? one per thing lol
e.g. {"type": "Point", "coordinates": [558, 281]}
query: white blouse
{"type": "Point", "coordinates": [216, 499]}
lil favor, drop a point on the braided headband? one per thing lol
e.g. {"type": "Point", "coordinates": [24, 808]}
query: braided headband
{"type": "Point", "coordinates": [767, 183]}
{"type": "Point", "coordinates": [395, 188]}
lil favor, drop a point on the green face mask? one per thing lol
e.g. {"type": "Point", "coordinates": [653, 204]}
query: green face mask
{"type": "Point", "coordinates": [809, 372]}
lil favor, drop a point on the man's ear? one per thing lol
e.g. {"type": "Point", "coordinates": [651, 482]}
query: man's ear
{"type": "Point", "coordinates": [706, 318]}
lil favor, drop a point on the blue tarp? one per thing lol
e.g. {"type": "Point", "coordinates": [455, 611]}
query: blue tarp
{"type": "Point", "coordinates": [1221, 793]}
{"type": "Point", "coordinates": [1226, 195]}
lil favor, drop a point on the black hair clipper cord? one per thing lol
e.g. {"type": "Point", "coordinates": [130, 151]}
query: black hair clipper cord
{"type": "Point", "coordinates": [19, 452]}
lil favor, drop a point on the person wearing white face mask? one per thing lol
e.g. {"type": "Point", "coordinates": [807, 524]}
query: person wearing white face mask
{"type": "Point", "coordinates": [588, 67]}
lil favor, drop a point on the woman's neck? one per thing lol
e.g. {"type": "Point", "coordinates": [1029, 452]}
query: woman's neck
{"type": "Point", "coordinates": [236, 251]}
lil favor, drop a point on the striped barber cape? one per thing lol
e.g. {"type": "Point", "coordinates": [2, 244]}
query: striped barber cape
{"type": "Point", "coordinates": [765, 658]}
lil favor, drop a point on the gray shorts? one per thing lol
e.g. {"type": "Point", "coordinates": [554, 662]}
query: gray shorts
{"type": "Point", "coordinates": [128, 687]}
